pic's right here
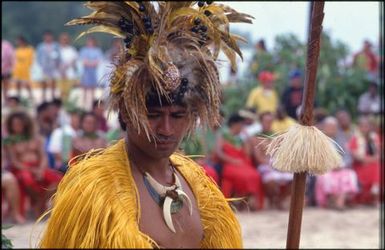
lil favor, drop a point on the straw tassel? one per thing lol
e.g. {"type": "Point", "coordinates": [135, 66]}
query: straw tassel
{"type": "Point", "coordinates": [304, 149]}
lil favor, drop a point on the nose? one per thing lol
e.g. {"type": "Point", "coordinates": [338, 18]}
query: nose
{"type": "Point", "coordinates": [165, 126]}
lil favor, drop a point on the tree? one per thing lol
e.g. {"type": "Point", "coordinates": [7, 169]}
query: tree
{"type": "Point", "coordinates": [338, 85]}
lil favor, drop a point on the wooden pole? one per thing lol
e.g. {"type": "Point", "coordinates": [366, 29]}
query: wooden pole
{"type": "Point", "coordinates": [305, 118]}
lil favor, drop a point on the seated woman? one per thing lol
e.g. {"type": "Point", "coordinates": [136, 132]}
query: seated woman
{"type": "Point", "coordinates": [239, 176]}
{"type": "Point", "coordinates": [365, 150]}
{"type": "Point", "coordinates": [28, 161]}
{"type": "Point", "coordinates": [276, 184]}
{"type": "Point", "coordinates": [89, 136]}
{"type": "Point", "coordinates": [336, 188]}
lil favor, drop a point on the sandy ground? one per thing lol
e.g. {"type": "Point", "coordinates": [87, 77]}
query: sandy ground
{"type": "Point", "coordinates": [321, 228]}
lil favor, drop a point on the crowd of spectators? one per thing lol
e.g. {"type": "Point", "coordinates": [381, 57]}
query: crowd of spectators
{"type": "Point", "coordinates": [39, 139]}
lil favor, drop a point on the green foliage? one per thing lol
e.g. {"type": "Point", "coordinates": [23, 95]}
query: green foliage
{"type": "Point", "coordinates": [5, 242]}
{"type": "Point", "coordinates": [32, 18]}
{"type": "Point", "coordinates": [338, 85]}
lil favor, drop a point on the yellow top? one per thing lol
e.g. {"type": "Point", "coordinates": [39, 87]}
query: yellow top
{"type": "Point", "coordinates": [96, 205]}
{"type": "Point", "coordinates": [263, 100]}
{"type": "Point", "coordinates": [24, 57]}
{"type": "Point", "coordinates": [282, 125]}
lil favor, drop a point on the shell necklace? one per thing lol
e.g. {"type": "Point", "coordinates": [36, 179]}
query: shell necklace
{"type": "Point", "coordinates": [169, 198]}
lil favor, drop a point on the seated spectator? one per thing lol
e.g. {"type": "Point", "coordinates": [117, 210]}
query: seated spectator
{"type": "Point", "coordinates": [29, 162]}
{"type": "Point", "coordinates": [369, 102]}
{"type": "Point", "coordinates": [282, 121]}
{"type": "Point", "coordinates": [11, 191]}
{"type": "Point", "coordinates": [276, 184]}
{"type": "Point", "coordinates": [365, 149]}
{"type": "Point", "coordinates": [61, 141]}
{"type": "Point", "coordinates": [338, 186]}
{"type": "Point", "coordinates": [239, 176]}
{"type": "Point", "coordinates": [98, 108]}
{"type": "Point", "coordinates": [89, 137]}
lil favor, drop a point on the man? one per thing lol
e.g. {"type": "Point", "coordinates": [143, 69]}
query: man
{"type": "Point", "coordinates": [292, 95]}
{"type": "Point", "coordinates": [61, 141]}
{"type": "Point", "coordinates": [139, 193]}
{"type": "Point", "coordinates": [369, 102]}
{"type": "Point", "coordinates": [264, 98]}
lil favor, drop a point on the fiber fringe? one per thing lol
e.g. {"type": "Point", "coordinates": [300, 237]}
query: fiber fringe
{"type": "Point", "coordinates": [304, 149]}
{"type": "Point", "coordinates": [96, 205]}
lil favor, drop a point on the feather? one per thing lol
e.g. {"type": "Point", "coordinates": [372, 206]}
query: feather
{"type": "Point", "coordinates": [103, 29]}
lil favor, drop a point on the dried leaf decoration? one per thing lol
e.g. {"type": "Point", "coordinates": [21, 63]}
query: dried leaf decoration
{"type": "Point", "coordinates": [174, 35]}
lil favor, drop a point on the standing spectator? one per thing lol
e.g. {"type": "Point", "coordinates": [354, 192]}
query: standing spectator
{"type": "Point", "coordinates": [48, 57]}
{"type": "Point", "coordinates": [264, 98]}
{"type": "Point", "coordinates": [367, 60]}
{"type": "Point", "coordinates": [7, 61]}
{"type": "Point", "coordinates": [292, 95]}
{"type": "Point", "coordinates": [24, 57]}
{"type": "Point", "coordinates": [98, 108]}
{"type": "Point", "coordinates": [28, 160]}
{"type": "Point", "coordinates": [67, 67]}
{"type": "Point", "coordinates": [91, 56]}
{"type": "Point", "coordinates": [365, 149]}
{"type": "Point", "coordinates": [61, 142]}
{"type": "Point", "coordinates": [112, 55]}
{"type": "Point", "coordinates": [369, 102]}
{"type": "Point", "coordinates": [89, 137]}
{"type": "Point", "coordinates": [337, 186]}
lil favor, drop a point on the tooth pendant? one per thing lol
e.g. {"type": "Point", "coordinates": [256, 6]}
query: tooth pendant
{"type": "Point", "coordinates": [168, 207]}
{"type": "Point", "coordinates": [173, 196]}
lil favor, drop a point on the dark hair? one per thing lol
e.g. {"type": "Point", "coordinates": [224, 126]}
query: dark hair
{"type": "Point", "coordinates": [121, 122]}
{"type": "Point", "coordinates": [14, 98]}
{"type": "Point", "coordinates": [96, 103]}
{"type": "Point", "coordinates": [43, 106]}
{"type": "Point", "coordinates": [235, 118]}
{"type": "Point", "coordinates": [26, 120]}
{"type": "Point", "coordinates": [22, 39]}
{"type": "Point", "coordinates": [57, 102]}
{"type": "Point", "coordinates": [85, 114]}
{"type": "Point", "coordinates": [47, 32]}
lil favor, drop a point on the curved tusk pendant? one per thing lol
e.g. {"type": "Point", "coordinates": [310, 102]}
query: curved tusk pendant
{"type": "Point", "coordinates": [184, 195]}
{"type": "Point", "coordinates": [167, 213]}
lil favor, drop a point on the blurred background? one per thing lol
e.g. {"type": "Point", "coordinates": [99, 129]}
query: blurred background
{"type": "Point", "coordinates": [54, 91]}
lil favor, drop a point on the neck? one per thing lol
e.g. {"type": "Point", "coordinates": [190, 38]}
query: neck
{"type": "Point", "coordinates": [159, 169]}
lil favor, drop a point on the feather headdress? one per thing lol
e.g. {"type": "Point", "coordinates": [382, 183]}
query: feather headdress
{"type": "Point", "coordinates": [170, 53]}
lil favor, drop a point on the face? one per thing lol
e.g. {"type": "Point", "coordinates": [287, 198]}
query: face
{"type": "Point", "coordinates": [267, 122]}
{"type": "Point", "coordinates": [330, 129]}
{"type": "Point", "coordinates": [64, 39]}
{"type": "Point", "coordinates": [343, 119]}
{"type": "Point", "coordinates": [75, 121]}
{"type": "Point", "coordinates": [90, 42]}
{"type": "Point", "coordinates": [17, 126]}
{"type": "Point", "coordinates": [296, 82]}
{"type": "Point", "coordinates": [169, 124]}
{"type": "Point", "coordinates": [88, 124]}
{"type": "Point", "coordinates": [48, 38]}
{"type": "Point", "coordinates": [364, 126]}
